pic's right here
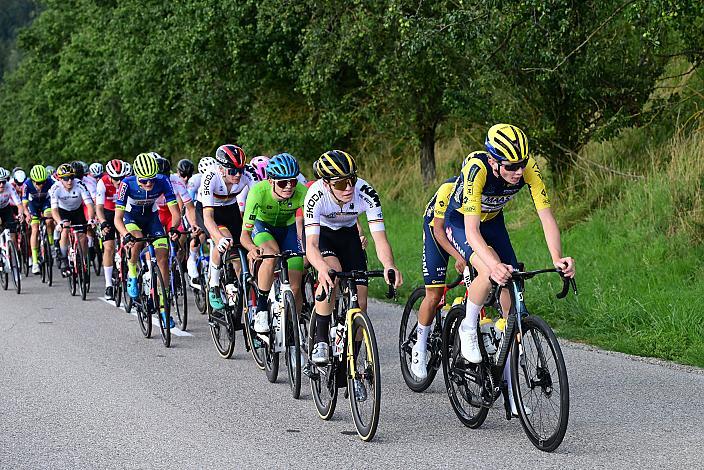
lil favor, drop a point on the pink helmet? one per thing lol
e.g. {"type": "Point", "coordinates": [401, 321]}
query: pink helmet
{"type": "Point", "coordinates": [259, 165]}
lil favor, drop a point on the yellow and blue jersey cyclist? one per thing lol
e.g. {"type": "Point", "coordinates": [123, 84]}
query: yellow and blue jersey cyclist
{"type": "Point", "coordinates": [37, 203]}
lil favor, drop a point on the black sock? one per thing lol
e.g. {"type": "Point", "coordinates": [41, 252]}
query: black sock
{"type": "Point", "coordinates": [262, 300]}
{"type": "Point", "coordinates": [322, 328]}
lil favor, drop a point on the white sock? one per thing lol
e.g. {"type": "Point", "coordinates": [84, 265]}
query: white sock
{"type": "Point", "coordinates": [108, 275]}
{"type": "Point", "coordinates": [193, 254]}
{"type": "Point", "coordinates": [214, 276]}
{"type": "Point", "coordinates": [422, 333]}
{"type": "Point", "coordinates": [471, 317]}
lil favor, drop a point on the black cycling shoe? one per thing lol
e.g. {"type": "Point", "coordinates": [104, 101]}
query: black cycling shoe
{"type": "Point", "coordinates": [109, 293]}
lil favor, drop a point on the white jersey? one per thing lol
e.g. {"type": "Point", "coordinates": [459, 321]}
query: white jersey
{"type": "Point", "coordinates": [214, 191]}
{"type": "Point", "coordinates": [180, 191]}
{"type": "Point", "coordinates": [69, 199]}
{"type": "Point", "coordinates": [193, 187]}
{"type": "Point", "coordinates": [91, 184]}
{"type": "Point", "coordinates": [321, 208]}
{"type": "Point", "coordinates": [9, 195]}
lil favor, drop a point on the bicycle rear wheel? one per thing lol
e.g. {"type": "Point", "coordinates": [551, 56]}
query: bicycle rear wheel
{"type": "Point", "coordinates": [323, 380]}
{"type": "Point", "coordinates": [406, 341]}
{"type": "Point", "coordinates": [271, 356]}
{"type": "Point", "coordinates": [367, 373]}
{"type": "Point", "coordinates": [23, 254]}
{"type": "Point", "coordinates": [178, 292]}
{"type": "Point", "coordinates": [15, 267]}
{"type": "Point", "coordinates": [256, 345]}
{"type": "Point", "coordinates": [160, 300]}
{"type": "Point", "coordinates": [539, 382]}
{"type": "Point", "coordinates": [462, 378]}
{"type": "Point", "coordinates": [200, 293]}
{"type": "Point", "coordinates": [5, 276]}
{"type": "Point", "coordinates": [293, 345]}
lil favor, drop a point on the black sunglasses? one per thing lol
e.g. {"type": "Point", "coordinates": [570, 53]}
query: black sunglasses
{"type": "Point", "coordinates": [66, 178]}
{"type": "Point", "coordinates": [515, 166]}
{"type": "Point", "coordinates": [235, 171]}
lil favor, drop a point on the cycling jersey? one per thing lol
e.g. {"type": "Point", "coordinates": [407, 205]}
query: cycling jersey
{"type": "Point", "coordinates": [214, 191]}
{"type": "Point", "coordinates": [69, 199]}
{"type": "Point", "coordinates": [263, 206]}
{"type": "Point", "coordinates": [180, 190]}
{"type": "Point", "coordinates": [437, 206]}
{"type": "Point", "coordinates": [9, 196]}
{"type": "Point", "coordinates": [106, 193]}
{"type": "Point", "coordinates": [193, 186]}
{"type": "Point", "coordinates": [36, 198]}
{"type": "Point", "coordinates": [322, 210]}
{"type": "Point", "coordinates": [435, 258]}
{"type": "Point", "coordinates": [92, 184]}
{"type": "Point", "coordinates": [478, 191]}
{"type": "Point", "coordinates": [134, 199]}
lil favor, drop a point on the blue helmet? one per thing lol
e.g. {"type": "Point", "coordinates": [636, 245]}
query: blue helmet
{"type": "Point", "coordinates": [282, 166]}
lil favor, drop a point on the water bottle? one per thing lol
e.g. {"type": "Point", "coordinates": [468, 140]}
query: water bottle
{"type": "Point", "coordinates": [231, 292]}
{"type": "Point", "coordinates": [486, 326]}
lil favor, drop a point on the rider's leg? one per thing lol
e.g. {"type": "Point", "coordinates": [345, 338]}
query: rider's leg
{"type": "Point", "coordinates": [34, 241]}
{"type": "Point", "coordinates": [323, 311]}
{"type": "Point", "coordinates": [108, 257]}
{"type": "Point", "coordinates": [133, 262]}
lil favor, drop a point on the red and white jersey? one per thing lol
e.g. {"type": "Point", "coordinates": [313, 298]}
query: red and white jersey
{"type": "Point", "coordinates": [106, 193]}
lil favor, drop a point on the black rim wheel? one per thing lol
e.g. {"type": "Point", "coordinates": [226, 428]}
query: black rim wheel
{"type": "Point", "coordinates": [323, 380]}
{"type": "Point", "coordinates": [367, 373]}
{"type": "Point", "coordinates": [293, 345]}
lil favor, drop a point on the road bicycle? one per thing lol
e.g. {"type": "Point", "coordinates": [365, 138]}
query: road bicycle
{"type": "Point", "coordinates": [153, 293]}
{"type": "Point", "coordinates": [46, 259]}
{"type": "Point", "coordinates": [538, 371]}
{"type": "Point", "coordinates": [407, 336]}
{"type": "Point", "coordinates": [200, 286]}
{"type": "Point", "coordinates": [9, 261]}
{"type": "Point", "coordinates": [24, 250]}
{"type": "Point", "coordinates": [354, 359]}
{"type": "Point", "coordinates": [285, 327]}
{"type": "Point", "coordinates": [77, 271]}
{"type": "Point", "coordinates": [178, 292]}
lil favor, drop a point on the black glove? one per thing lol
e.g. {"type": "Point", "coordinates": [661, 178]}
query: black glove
{"type": "Point", "coordinates": [127, 239]}
{"type": "Point", "coordinates": [104, 225]}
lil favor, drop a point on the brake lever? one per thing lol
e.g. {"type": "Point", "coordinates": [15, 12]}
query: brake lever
{"type": "Point", "coordinates": [392, 281]}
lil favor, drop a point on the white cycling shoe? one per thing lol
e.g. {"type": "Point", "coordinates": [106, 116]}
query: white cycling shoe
{"type": "Point", "coordinates": [469, 345]}
{"type": "Point", "coordinates": [192, 268]}
{"type": "Point", "coordinates": [261, 322]}
{"type": "Point", "coordinates": [35, 269]}
{"type": "Point", "coordinates": [419, 367]}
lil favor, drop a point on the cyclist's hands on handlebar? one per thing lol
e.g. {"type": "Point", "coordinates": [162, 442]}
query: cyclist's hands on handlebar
{"type": "Point", "coordinates": [566, 266]}
{"type": "Point", "coordinates": [254, 254]}
{"type": "Point", "coordinates": [398, 279]}
{"type": "Point", "coordinates": [174, 234]}
{"type": "Point", "coordinates": [224, 244]}
{"type": "Point", "coordinates": [501, 273]}
{"type": "Point", "coordinates": [325, 281]}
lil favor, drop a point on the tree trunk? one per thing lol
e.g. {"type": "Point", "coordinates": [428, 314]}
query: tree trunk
{"type": "Point", "coordinates": [427, 153]}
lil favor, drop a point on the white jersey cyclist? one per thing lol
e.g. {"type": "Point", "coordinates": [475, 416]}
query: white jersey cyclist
{"type": "Point", "coordinates": [9, 196]}
{"type": "Point", "coordinates": [91, 184]}
{"type": "Point", "coordinates": [214, 193]}
{"type": "Point", "coordinates": [69, 199]}
{"type": "Point", "coordinates": [321, 209]}
{"type": "Point", "coordinates": [180, 191]}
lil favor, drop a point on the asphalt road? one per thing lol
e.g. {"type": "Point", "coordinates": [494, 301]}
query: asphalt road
{"type": "Point", "coordinates": [80, 387]}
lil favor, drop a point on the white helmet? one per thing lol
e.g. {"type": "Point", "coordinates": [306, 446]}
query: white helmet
{"type": "Point", "coordinates": [206, 163]}
{"type": "Point", "coordinates": [128, 169]}
{"type": "Point", "coordinates": [96, 169]}
{"type": "Point", "coordinates": [19, 176]}
{"type": "Point", "coordinates": [4, 174]}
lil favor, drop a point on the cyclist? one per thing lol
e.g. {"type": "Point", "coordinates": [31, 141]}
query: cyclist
{"type": "Point", "coordinates": [205, 165]}
{"type": "Point", "coordinates": [221, 215]}
{"type": "Point", "coordinates": [8, 195]}
{"type": "Point", "coordinates": [475, 224]}
{"type": "Point", "coordinates": [270, 227]}
{"type": "Point", "coordinates": [136, 215]}
{"type": "Point", "coordinates": [96, 171]}
{"type": "Point", "coordinates": [331, 209]}
{"type": "Point", "coordinates": [17, 182]}
{"type": "Point", "coordinates": [182, 196]}
{"type": "Point", "coordinates": [37, 203]}
{"type": "Point", "coordinates": [82, 172]}
{"type": "Point", "coordinates": [68, 198]}
{"type": "Point", "coordinates": [106, 194]}
{"type": "Point", "coordinates": [51, 171]}
{"type": "Point", "coordinates": [258, 167]}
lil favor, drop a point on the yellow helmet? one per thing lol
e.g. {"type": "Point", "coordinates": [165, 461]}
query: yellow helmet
{"type": "Point", "coordinates": [145, 165]}
{"type": "Point", "coordinates": [335, 164]}
{"type": "Point", "coordinates": [505, 142]}
{"type": "Point", "coordinates": [38, 174]}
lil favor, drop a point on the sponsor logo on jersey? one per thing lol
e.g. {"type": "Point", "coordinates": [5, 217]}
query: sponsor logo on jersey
{"type": "Point", "coordinates": [373, 195]}
{"type": "Point", "coordinates": [314, 198]}
{"type": "Point", "coordinates": [205, 186]}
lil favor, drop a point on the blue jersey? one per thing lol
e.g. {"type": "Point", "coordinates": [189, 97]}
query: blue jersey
{"type": "Point", "coordinates": [36, 195]}
{"type": "Point", "coordinates": [135, 200]}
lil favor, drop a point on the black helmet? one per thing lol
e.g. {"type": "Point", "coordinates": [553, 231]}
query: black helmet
{"type": "Point", "coordinates": [164, 165]}
{"type": "Point", "coordinates": [185, 168]}
{"type": "Point", "coordinates": [78, 170]}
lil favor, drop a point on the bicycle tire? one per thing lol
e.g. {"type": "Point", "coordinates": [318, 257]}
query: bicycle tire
{"type": "Point", "coordinates": [271, 357]}
{"type": "Point", "coordinates": [200, 295]}
{"type": "Point", "coordinates": [406, 340]}
{"type": "Point", "coordinates": [179, 292]}
{"type": "Point", "coordinates": [222, 327]}
{"type": "Point", "coordinates": [80, 270]}
{"type": "Point", "coordinates": [86, 274]}
{"type": "Point", "coordinates": [116, 285]}
{"type": "Point", "coordinates": [456, 382]}
{"type": "Point", "coordinates": [144, 315]}
{"type": "Point", "coordinates": [370, 375]}
{"type": "Point", "coordinates": [292, 358]}
{"type": "Point", "coordinates": [42, 262]}
{"type": "Point", "coordinates": [528, 391]}
{"type": "Point", "coordinates": [15, 268]}
{"type": "Point", "coordinates": [5, 276]}
{"type": "Point", "coordinates": [23, 253]}
{"type": "Point", "coordinates": [71, 276]}
{"type": "Point", "coordinates": [324, 394]}
{"type": "Point", "coordinates": [127, 300]}
{"type": "Point", "coordinates": [161, 295]}
{"type": "Point", "coordinates": [256, 346]}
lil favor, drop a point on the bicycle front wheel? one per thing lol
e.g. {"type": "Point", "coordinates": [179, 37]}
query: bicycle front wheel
{"type": "Point", "coordinates": [293, 345]}
{"type": "Point", "coordinates": [540, 385]}
{"type": "Point", "coordinates": [364, 379]}
{"type": "Point", "coordinates": [160, 299]}
{"type": "Point", "coordinates": [15, 267]}
{"type": "Point", "coordinates": [144, 310]}
{"type": "Point", "coordinates": [323, 379]}
{"type": "Point", "coordinates": [178, 292]}
{"type": "Point", "coordinates": [81, 270]}
{"type": "Point", "coordinates": [406, 341]}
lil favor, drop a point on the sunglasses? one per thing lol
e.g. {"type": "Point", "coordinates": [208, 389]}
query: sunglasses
{"type": "Point", "coordinates": [343, 184]}
{"type": "Point", "coordinates": [3, 181]}
{"type": "Point", "coordinates": [146, 180]}
{"type": "Point", "coordinates": [234, 171]}
{"type": "Point", "coordinates": [66, 178]}
{"type": "Point", "coordinates": [515, 166]}
{"type": "Point", "coordinates": [117, 179]}
{"type": "Point", "coordinates": [286, 183]}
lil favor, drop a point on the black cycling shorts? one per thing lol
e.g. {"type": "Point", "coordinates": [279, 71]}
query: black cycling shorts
{"type": "Point", "coordinates": [110, 219]}
{"type": "Point", "coordinates": [345, 245]}
{"type": "Point", "coordinates": [228, 217]}
{"type": "Point", "coordinates": [76, 217]}
{"type": "Point", "coordinates": [7, 218]}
